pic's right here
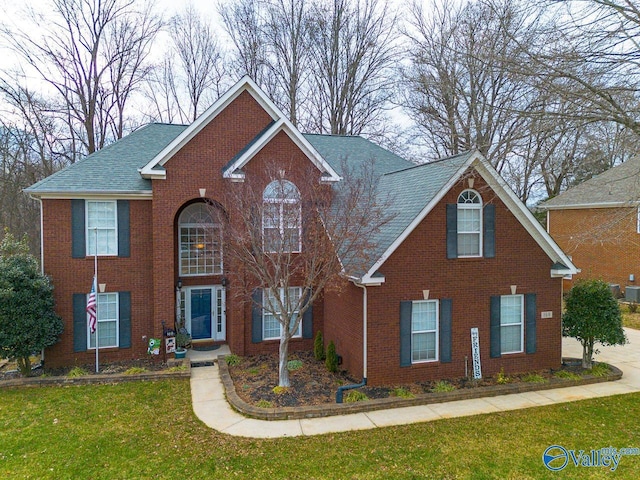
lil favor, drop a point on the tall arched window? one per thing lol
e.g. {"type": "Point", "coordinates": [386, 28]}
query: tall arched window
{"type": "Point", "coordinates": [200, 240]}
{"type": "Point", "coordinates": [281, 217]}
{"type": "Point", "coordinates": [469, 224]}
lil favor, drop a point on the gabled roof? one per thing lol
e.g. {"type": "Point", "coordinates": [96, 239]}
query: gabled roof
{"type": "Point", "coordinates": [233, 170]}
{"type": "Point", "coordinates": [416, 190]}
{"type": "Point", "coordinates": [112, 170]}
{"type": "Point", "coordinates": [618, 186]}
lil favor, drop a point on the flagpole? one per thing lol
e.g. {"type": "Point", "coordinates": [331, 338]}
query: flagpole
{"type": "Point", "coordinates": [95, 279]}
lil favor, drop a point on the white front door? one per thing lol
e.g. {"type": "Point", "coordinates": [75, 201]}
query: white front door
{"type": "Point", "coordinates": [205, 312]}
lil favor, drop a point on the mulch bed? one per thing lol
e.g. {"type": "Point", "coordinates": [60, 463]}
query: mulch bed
{"type": "Point", "coordinates": [256, 376]}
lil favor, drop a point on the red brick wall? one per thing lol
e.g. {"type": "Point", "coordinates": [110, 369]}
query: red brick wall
{"type": "Point", "coordinates": [72, 275]}
{"type": "Point", "coordinates": [421, 263]}
{"type": "Point", "coordinates": [343, 325]}
{"type": "Point", "coordinates": [603, 242]}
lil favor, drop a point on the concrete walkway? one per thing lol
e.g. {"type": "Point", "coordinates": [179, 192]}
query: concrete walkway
{"type": "Point", "coordinates": [210, 406]}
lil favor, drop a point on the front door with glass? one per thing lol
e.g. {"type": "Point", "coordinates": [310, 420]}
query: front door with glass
{"type": "Point", "coordinates": [205, 312]}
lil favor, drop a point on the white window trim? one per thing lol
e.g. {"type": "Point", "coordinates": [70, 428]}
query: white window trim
{"type": "Point", "coordinates": [87, 229]}
{"type": "Point", "coordinates": [265, 293]}
{"type": "Point", "coordinates": [511, 324]}
{"type": "Point", "coordinates": [436, 331]}
{"type": "Point", "coordinates": [281, 228]}
{"type": "Point", "coordinates": [117, 320]}
{"type": "Point", "coordinates": [638, 220]}
{"type": "Point", "coordinates": [472, 206]}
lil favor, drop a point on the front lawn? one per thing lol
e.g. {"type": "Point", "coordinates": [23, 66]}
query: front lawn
{"type": "Point", "coordinates": [148, 430]}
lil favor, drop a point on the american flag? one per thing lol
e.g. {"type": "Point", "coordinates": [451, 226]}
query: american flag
{"type": "Point", "coordinates": [91, 307]}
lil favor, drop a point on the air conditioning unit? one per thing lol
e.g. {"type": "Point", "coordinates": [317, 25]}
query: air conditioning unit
{"type": "Point", "coordinates": [615, 290]}
{"type": "Point", "coordinates": [632, 294]}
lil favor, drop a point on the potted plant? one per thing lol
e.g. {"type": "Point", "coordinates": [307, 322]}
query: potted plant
{"type": "Point", "coordinates": [183, 340]}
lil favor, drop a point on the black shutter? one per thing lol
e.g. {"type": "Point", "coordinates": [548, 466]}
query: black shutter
{"type": "Point", "coordinates": [494, 343]}
{"type": "Point", "coordinates": [79, 322]}
{"type": "Point", "coordinates": [125, 320]}
{"type": "Point", "coordinates": [256, 316]}
{"type": "Point", "coordinates": [530, 314]}
{"type": "Point", "coordinates": [78, 241]}
{"type": "Point", "coordinates": [124, 249]}
{"type": "Point", "coordinates": [307, 321]}
{"type": "Point", "coordinates": [405, 333]}
{"type": "Point", "coordinates": [445, 329]}
{"type": "Point", "coordinates": [489, 231]}
{"type": "Point", "coordinates": [452, 231]}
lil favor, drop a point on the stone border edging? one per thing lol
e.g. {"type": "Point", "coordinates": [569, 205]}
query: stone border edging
{"type": "Point", "coordinates": [101, 378]}
{"type": "Point", "coordinates": [315, 411]}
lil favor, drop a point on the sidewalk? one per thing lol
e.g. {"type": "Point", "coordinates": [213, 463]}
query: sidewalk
{"type": "Point", "coordinates": [210, 405]}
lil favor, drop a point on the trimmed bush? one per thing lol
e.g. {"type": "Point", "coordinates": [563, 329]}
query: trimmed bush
{"type": "Point", "coordinates": [318, 347]}
{"type": "Point", "coordinates": [331, 361]}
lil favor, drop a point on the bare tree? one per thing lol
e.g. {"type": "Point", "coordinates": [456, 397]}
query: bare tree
{"type": "Point", "coordinates": [354, 49]}
{"type": "Point", "coordinates": [294, 240]}
{"type": "Point", "coordinates": [32, 146]}
{"type": "Point", "coordinates": [286, 32]}
{"type": "Point", "coordinates": [92, 53]}
{"type": "Point", "coordinates": [461, 89]}
{"type": "Point", "coordinates": [200, 59]}
{"type": "Point", "coordinates": [244, 22]}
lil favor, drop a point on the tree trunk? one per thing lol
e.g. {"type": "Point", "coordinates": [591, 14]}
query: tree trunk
{"type": "Point", "coordinates": [587, 354]}
{"type": "Point", "coordinates": [283, 371]}
{"type": "Point", "coordinates": [24, 365]}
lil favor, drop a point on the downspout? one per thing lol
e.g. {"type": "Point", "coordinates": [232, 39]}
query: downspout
{"type": "Point", "coordinates": [41, 256]}
{"type": "Point", "coordinates": [341, 389]}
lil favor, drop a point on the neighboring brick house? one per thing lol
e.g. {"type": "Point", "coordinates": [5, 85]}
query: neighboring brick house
{"type": "Point", "coordinates": [597, 223]}
{"type": "Point", "coordinates": [460, 252]}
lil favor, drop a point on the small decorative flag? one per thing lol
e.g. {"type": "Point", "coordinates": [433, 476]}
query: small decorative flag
{"type": "Point", "coordinates": [91, 307]}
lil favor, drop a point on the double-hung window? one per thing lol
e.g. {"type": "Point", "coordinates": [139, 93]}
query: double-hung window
{"type": "Point", "coordinates": [511, 323]}
{"type": "Point", "coordinates": [273, 304]}
{"type": "Point", "coordinates": [281, 217]}
{"type": "Point", "coordinates": [108, 321]}
{"type": "Point", "coordinates": [102, 227]}
{"type": "Point", "coordinates": [469, 224]}
{"type": "Point", "coordinates": [424, 331]}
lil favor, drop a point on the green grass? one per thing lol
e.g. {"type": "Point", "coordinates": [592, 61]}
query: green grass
{"type": "Point", "coordinates": [353, 396]}
{"type": "Point", "coordinates": [148, 430]}
{"type": "Point", "coordinates": [598, 370]}
{"type": "Point", "coordinates": [135, 370]}
{"type": "Point", "coordinates": [402, 393]}
{"type": "Point", "coordinates": [443, 386]}
{"type": "Point", "coordinates": [233, 359]}
{"type": "Point", "coordinates": [567, 374]}
{"type": "Point", "coordinates": [77, 372]}
{"type": "Point", "coordinates": [293, 365]}
{"type": "Point", "coordinates": [534, 378]}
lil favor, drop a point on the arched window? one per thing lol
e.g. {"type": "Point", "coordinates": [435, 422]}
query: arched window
{"type": "Point", "coordinates": [469, 224]}
{"type": "Point", "coordinates": [200, 240]}
{"type": "Point", "coordinates": [281, 217]}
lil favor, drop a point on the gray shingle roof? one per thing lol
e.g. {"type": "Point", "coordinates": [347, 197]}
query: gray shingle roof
{"type": "Point", "coordinates": [408, 192]}
{"type": "Point", "coordinates": [618, 185]}
{"type": "Point", "coordinates": [407, 188]}
{"type": "Point", "coordinates": [356, 151]}
{"type": "Point", "coordinates": [114, 169]}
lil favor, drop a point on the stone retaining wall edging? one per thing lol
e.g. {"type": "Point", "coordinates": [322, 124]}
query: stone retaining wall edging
{"type": "Point", "coordinates": [297, 413]}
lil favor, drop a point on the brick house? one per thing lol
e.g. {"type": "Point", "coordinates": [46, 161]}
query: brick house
{"type": "Point", "coordinates": [460, 252]}
{"type": "Point", "coordinates": [597, 223]}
